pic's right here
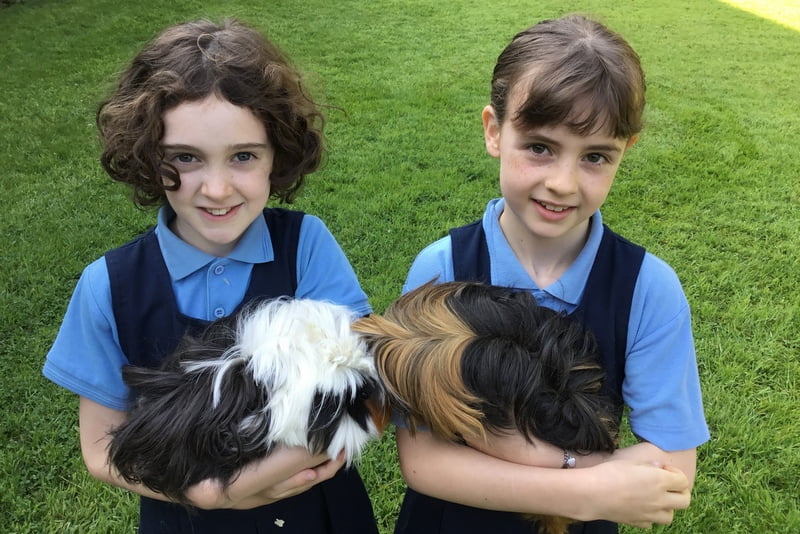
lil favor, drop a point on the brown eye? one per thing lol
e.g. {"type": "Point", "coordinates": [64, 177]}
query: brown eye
{"type": "Point", "coordinates": [596, 158]}
{"type": "Point", "coordinates": [538, 149]}
{"type": "Point", "coordinates": [365, 391]}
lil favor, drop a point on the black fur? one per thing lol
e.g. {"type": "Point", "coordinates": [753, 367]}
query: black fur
{"type": "Point", "coordinates": [534, 370]}
{"type": "Point", "coordinates": [174, 438]}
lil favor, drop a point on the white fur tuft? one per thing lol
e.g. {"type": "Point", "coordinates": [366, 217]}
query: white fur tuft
{"type": "Point", "coordinates": [296, 348]}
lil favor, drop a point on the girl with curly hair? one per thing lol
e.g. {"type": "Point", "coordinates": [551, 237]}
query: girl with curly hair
{"type": "Point", "coordinates": [208, 122]}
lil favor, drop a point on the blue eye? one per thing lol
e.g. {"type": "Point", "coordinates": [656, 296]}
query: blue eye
{"type": "Point", "coordinates": [184, 158]}
{"type": "Point", "coordinates": [244, 156]}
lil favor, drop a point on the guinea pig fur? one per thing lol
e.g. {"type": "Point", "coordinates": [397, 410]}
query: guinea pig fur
{"type": "Point", "coordinates": [284, 372]}
{"type": "Point", "coordinates": [464, 359]}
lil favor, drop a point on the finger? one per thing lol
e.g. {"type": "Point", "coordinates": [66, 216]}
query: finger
{"type": "Point", "coordinates": [672, 469]}
{"type": "Point", "coordinates": [328, 469]}
{"type": "Point", "coordinates": [295, 484]}
{"type": "Point", "coordinates": [665, 518]}
{"type": "Point", "coordinates": [297, 458]}
{"type": "Point", "coordinates": [307, 478]}
{"type": "Point", "coordinates": [681, 499]}
{"type": "Point", "coordinates": [206, 494]}
{"type": "Point", "coordinates": [677, 480]}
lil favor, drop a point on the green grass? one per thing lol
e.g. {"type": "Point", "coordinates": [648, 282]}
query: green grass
{"type": "Point", "coordinates": [713, 187]}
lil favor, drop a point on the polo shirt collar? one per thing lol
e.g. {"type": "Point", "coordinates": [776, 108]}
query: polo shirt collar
{"type": "Point", "coordinates": [182, 259]}
{"type": "Point", "coordinates": [506, 268]}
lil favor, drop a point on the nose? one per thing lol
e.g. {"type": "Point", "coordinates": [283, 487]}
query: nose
{"type": "Point", "coordinates": [563, 178]}
{"type": "Point", "coordinates": [216, 183]}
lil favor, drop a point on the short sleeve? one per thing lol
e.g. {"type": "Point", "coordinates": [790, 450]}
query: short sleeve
{"type": "Point", "coordinates": [433, 263]}
{"type": "Point", "coordinates": [661, 385]}
{"type": "Point", "coordinates": [85, 357]}
{"type": "Point", "coordinates": [323, 271]}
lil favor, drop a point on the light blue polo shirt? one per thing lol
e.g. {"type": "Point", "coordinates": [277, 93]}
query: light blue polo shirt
{"type": "Point", "coordinates": [661, 385]}
{"type": "Point", "coordinates": [86, 357]}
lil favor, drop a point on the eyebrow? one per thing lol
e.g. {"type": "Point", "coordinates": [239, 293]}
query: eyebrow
{"type": "Point", "coordinates": [238, 146]}
{"type": "Point", "coordinates": [535, 136]}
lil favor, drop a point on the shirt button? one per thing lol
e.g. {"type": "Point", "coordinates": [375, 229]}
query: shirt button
{"type": "Point", "coordinates": [219, 269]}
{"type": "Point", "coordinates": [219, 312]}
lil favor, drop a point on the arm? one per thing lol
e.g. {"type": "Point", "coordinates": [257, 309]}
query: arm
{"type": "Point", "coordinates": [662, 384]}
{"type": "Point", "coordinates": [513, 447]}
{"type": "Point", "coordinates": [626, 491]}
{"type": "Point", "coordinates": [285, 473]}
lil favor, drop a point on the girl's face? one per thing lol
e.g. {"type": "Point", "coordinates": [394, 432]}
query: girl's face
{"type": "Point", "coordinates": [552, 178]}
{"type": "Point", "coordinates": [224, 159]}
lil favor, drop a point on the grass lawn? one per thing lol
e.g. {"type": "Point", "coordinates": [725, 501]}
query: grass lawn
{"type": "Point", "coordinates": [712, 186]}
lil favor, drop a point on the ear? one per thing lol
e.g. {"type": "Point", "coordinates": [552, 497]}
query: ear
{"type": "Point", "coordinates": [491, 131]}
{"type": "Point", "coordinates": [632, 141]}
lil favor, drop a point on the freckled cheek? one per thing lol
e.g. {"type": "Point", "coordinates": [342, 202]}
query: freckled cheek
{"type": "Point", "coordinates": [514, 175]}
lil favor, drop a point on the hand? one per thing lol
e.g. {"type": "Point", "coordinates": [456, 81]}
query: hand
{"type": "Point", "coordinates": [284, 473]}
{"type": "Point", "coordinates": [640, 494]}
{"type": "Point", "coordinates": [304, 480]}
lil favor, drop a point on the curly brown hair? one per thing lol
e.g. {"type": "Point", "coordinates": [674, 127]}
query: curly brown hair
{"type": "Point", "coordinates": [188, 62]}
{"type": "Point", "coordinates": [563, 64]}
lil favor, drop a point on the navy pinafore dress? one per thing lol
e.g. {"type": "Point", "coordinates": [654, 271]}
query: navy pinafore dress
{"type": "Point", "coordinates": [604, 310]}
{"type": "Point", "coordinates": [150, 327]}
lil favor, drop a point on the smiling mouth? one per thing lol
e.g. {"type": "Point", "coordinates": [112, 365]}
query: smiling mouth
{"type": "Point", "coordinates": [551, 207]}
{"type": "Point", "coordinates": [218, 211]}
